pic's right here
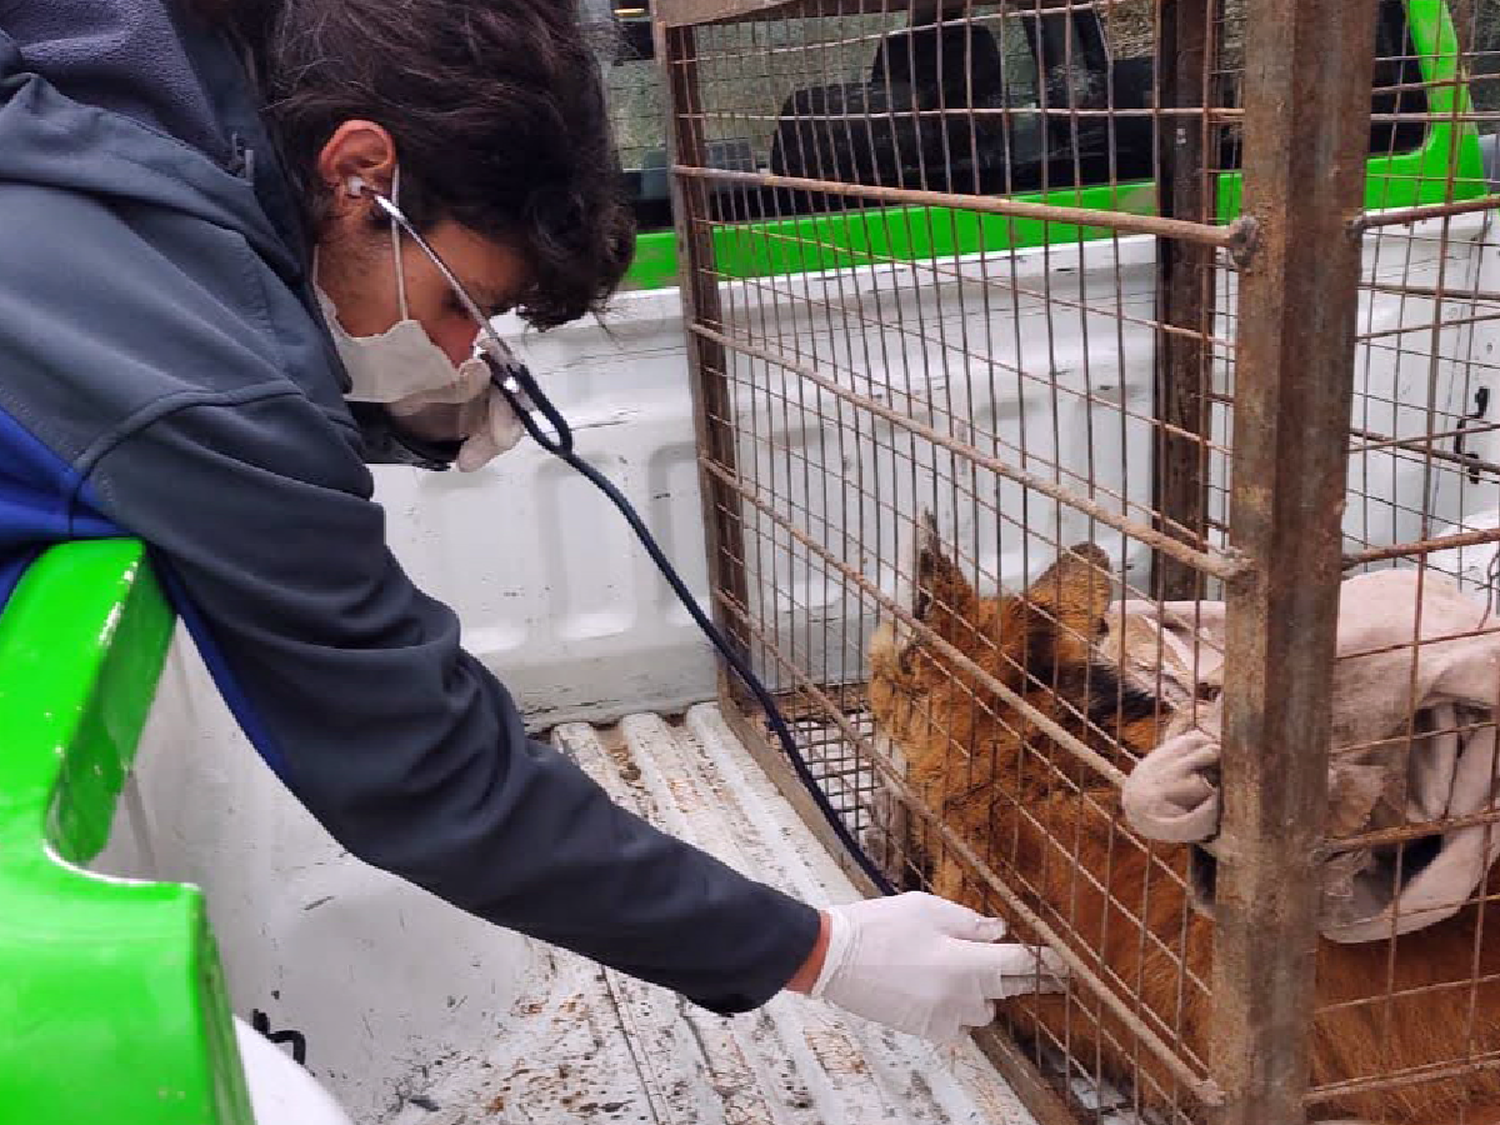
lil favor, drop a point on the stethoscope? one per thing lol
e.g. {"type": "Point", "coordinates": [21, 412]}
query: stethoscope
{"type": "Point", "coordinates": [512, 378]}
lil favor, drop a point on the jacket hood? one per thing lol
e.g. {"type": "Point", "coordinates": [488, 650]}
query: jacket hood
{"type": "Point", "coordinates": [134, 102]}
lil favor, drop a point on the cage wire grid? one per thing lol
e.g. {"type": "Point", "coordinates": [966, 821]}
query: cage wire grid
{"type": "Point", "coordinates": [1046, 400]}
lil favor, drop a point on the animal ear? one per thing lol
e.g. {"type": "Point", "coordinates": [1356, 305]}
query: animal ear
{"type": "Point", "coordinates": [1069, 601]}
{"type": "Point", "coordinates": [941, 596]}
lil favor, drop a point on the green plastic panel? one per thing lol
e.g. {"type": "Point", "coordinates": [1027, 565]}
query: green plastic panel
{"type": "Point", "coordinates": [1447, 166]}
{"type": "Point", "coordinates": [112, 999]}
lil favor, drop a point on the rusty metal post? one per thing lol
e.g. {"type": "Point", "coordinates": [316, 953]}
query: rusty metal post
{"type": "Point", "coordinates": [1307, 91]}
{"type": "Point", "coordinates": [1185, 291]}
{"type": "Point", "coordinates": [713, 398]}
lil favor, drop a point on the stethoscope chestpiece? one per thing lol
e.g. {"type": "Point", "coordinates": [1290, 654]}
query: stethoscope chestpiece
{"type": "Point", "coordinates": [514, 381]}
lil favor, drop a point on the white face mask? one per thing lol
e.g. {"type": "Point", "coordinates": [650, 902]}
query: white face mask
{"type": "Point", "coordinates": [402, 362]}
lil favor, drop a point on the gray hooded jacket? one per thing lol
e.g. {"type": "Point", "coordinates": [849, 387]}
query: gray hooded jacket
{"type": "Point", "coordinates": [164, 373]}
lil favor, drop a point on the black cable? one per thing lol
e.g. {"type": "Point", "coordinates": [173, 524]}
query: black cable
{"type": "Point", "coordinates": [560, 445]}
{"type": "Point", "coordinates": [514, 381]}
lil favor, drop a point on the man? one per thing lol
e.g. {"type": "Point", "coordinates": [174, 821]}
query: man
{"type": "Point", "coordinates": [199, 271]}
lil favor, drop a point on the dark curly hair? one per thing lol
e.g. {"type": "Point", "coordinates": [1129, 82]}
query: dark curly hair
{"type": "Point", "coordinates": [497, 111]}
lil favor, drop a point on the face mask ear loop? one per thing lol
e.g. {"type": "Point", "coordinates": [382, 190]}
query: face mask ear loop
{"type": "Point", "coordinates": [396, 245]}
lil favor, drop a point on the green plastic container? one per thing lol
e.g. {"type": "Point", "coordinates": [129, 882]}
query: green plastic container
{"type": "Point", "coordinates": [113, 1009]}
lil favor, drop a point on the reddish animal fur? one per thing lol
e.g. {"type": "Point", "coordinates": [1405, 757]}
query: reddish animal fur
{"type": "Point", "coordinates": [1054, 831]}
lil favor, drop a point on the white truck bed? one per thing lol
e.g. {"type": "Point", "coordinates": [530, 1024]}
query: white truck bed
{"type": "Point", "coordinates": [599, 1046]}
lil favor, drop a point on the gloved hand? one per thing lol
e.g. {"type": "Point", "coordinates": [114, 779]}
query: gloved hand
{"type": "Point", "coordinates": [493, 430]}
{"type": "Point", "coordinates": [924, 965]}
{"type": "Point", "coordinates": [473, 411]}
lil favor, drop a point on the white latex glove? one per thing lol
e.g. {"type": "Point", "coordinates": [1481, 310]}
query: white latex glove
{"type": "Point", "coordinates": [482, 417]}
{"type": "Point", "coordinates": [927, 966]}
{"type": "Point", "coordinates": [495, 429]}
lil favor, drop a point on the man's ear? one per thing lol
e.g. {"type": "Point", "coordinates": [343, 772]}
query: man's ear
{"type": "Point", "coordinates": [360, 155]}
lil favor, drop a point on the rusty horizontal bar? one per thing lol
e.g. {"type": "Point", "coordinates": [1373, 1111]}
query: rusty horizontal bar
{"type": "Point", "coordinates": [1423, 642]}
{"type": "Point", "coordinates": [873, 495]}
{"type": "Point", "coordinates": [1410, 738]}
{"type": "Point", "coordinates": [692, 13]}
{"type": "Point", "coordinates": [957, 275]}
{"type": "Point", "coordinates": [979, 112]}
{"type": "Point", "coordinates": [689, 13]}
{"type": "Point", "coordinates": [1409, 832]}
{"type": "Point", "coordinates": [1438, 325]}
{"type": "Point", "coordinates": [1204, 1090]}
{"type": "Point", "coordinates": [788, 401]}
{"type": "Point", "coordinates": [1482, 296]}
{"type": "Point", "coordinates": [1376, 441]}
{"type": "Point", "coordinates": [1422, 547]}
{"type": "Point", "coordinates": [1219, 115]}
{"type": "Point", "coordinates": [1235, 237]}
{"type": "Point", "coordinates": [1399, 215]}
{"type": "Point", "coordinates": [1214, 564]}
{"type": "Point", "coordinates": [881, 504]}
{"type": "Point", "coordinates": [1417, 118]}
{"type": "Point", "coordinates": [1414, 1076]}
{"type": "Point", "coordinates": [1417, 990]}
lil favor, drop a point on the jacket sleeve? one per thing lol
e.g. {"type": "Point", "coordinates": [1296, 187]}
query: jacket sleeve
{"type": "Point", "coordinates": [354, 686]}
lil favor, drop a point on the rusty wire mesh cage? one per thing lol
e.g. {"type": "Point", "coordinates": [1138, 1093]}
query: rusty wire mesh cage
{"type": "Point", "coordinates": [1084, 384]}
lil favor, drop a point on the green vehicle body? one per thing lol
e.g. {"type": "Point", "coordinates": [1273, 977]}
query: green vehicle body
{"type": "Point", "coordinates": [825, 242]}
{"type": "Point", "coordinates": [112, 997]}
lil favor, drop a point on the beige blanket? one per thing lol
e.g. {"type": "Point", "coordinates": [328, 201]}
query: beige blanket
{"type": "Point", "coordinates": [1411, 743]}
